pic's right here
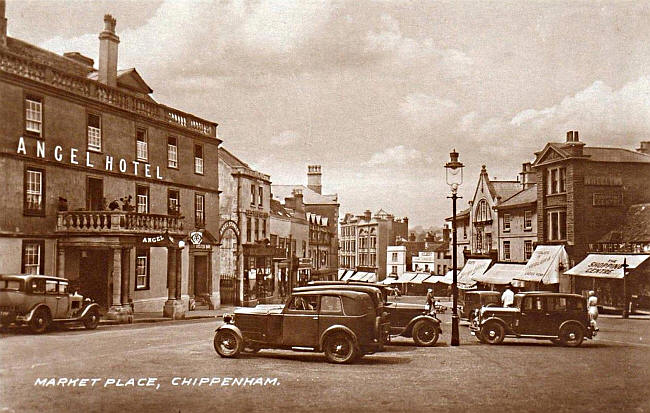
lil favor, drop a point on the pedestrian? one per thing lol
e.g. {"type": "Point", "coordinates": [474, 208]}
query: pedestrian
{"type": "Point", "coordinates": [508, 296]}
{"type": "Point", "coordinates": [430, 299]}
{"type": "Point", "coordinates": [592, 309]}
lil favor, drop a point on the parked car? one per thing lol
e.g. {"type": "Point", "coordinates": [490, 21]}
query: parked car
{"type": "Point", "coordinates": [344, 324]}
{"type": "Point", "coordinates": [40, 300]}
{"type": "Point", "coordinates": [474, 300]}
{"type": "Point", "coordinates": [406, 319]}
{"type": "Point", "coordinates": [561, 318]}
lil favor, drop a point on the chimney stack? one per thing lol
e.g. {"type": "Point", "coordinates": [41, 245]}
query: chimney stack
{"type": "Point", "coordinates": [528, 177]}
{"type": "Point", "coordinates": [367, 215]}
{"type": "Point", "coordinates": [108, 42]}
{"type": "Point", "coordinates": [573, 144]}
{"type": "Point", "coordinates": [3, 24]}
{"type": "Point", "coordinates": [314, 178]}
{"type": "Point", "coordinates": [644, 147]}
{"type": "Point", "coordinates": [445, 234]}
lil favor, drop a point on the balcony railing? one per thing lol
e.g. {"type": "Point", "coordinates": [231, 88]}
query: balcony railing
{"type": "Point", "coordinates": [22, 66]}
{"type": "Point", "coordinates": [117, 221]}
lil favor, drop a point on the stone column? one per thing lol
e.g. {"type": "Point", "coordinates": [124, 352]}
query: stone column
{"type": "Point", "coordinates": [173, 307]}
{"type": "Point", "coordinates": [117, 311]}
{"type": "Point", "coordinates": [60, 261]}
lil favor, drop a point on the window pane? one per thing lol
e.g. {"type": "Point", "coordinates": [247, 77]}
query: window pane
{"type": "Point", "coordinates": [34, 190]}
{"type": "Point", "coordinates": [94, 133]}
{"type": "Point", "coordinates": [172, 152]}
{"type": "Point", "coordinates": [32, 258]}
{"type": "Point", "coordinates": [141, 145]}
{"type": "Point", "coordinates": [33, 115]}
{"type": "Point", "coordinates": [330, 305]}
{"type": "Point", "coordinates": [141, 270]}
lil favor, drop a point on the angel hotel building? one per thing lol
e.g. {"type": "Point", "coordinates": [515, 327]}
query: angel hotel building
{"type": "Point", "coordinates": [102, 184]}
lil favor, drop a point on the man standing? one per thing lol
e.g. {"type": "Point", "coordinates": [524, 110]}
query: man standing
{"type": "Point", "coordinates": [508, 296]}
{"type": "Point", "coordinates": [430, 299]}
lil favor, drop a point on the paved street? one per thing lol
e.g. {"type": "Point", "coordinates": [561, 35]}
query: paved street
{"type": "Point", "coordinates": [609, 373]}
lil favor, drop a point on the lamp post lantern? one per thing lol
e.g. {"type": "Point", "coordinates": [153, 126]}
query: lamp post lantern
{"type": "Point", "coordinates": [454, 178]}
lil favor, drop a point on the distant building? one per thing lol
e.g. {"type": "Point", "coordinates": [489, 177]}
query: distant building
{"type": "Point", "coordinates": [463, 236]}
{"type": "Point", "coordinates": [395, 260]}
{"type": "Point", "coordinates": [517, 217]}
{"type": "Point", "coordinates": [365, 240]}
{"type": "Point", "coordinates": [322, 213]}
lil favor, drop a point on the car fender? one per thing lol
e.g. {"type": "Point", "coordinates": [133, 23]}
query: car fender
{"type": "Point", "coordinates": [88, 308]}
{"type": "Point", "coordinates": [495, 319]}
{"type": "Point", "coordinates": [337, 328]}
{"type": "Point", "coordinates": [30, 314]}
{"type": "Point", "coordinates": [232, 328]}
{"type": "Point", "coordinates": [568, 322]}
{"type": "Point", "coordinates": [409, 328]}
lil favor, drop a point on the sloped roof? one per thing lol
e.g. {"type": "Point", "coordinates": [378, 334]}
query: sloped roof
{"type": "Point", "coordinates": [615, 155]}
{"type": "Point", "coordinates": [277, 209]}
{"type": "Point", "coordinates": [459, 215]}
{"type": "Point", "coordinates": [47, 57]}
{"type": "Point", "coordinates": [231, 159]}
{"type": "Point", "coordinates": [504, 189]}
{"type": "Point", "coordinates": [526, 196]}
{"type": "Point", "coordinates": [600, 154]}
{"type": "Point", "coordinates": [309, 196]}
{"type": "Point", "coordinates": [635, 229]}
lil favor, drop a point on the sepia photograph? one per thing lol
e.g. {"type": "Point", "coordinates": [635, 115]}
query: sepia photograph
{"type": "Point", "coordinates": [324, 206]}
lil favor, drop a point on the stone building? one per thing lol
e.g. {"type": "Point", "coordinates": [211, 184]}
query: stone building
{"type": "Point", "coordinates": [103, 185]}
{"type": "Point", "coordinates": [247, 270]}
{"type": "Point", "coordinates": [322, 213]}
{"type": "Point", "coordinates": [365, 239]}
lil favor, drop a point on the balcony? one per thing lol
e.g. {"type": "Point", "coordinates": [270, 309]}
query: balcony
{"type": "Point", "coordinates": [21, 66]}
{"type": "Point", "coordinates": [109, 222]}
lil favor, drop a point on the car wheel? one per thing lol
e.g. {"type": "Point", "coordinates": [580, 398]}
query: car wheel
{"type": "Point", "coordinates": [571, 335]}
{"type": "Point", "coordinates": [227, 343]}
{"type": "Point", "coordinates": [479, 337]}
{"type": "Point", "coordinates": [425, 333]}
{"type": "Point", "coordinates": [339, 348]}
{"type": "Point", "coordinates": [493, 333]}
{"type": "Point", "coordinates": [91, 320]}
{"type": "Point", "coordinates": [40, 321]}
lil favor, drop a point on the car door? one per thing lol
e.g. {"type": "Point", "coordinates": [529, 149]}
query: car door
{"type": "Point", "coordinates": [52, 297]}
{"type": "Point", "coordinates": [533, 317]}
{"type": "Point", "coordinates": [63, 298]}
{"type": "Point", "coordinates": [330, 313]}
{"type": "Point", "coordinates": [300, 321]}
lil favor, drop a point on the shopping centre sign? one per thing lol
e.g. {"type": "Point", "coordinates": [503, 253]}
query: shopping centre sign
{"type": "Point", "coordinates": [73, 157]}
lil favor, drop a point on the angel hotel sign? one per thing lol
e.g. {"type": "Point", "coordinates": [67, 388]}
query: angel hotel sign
{"type": "Point", "coordinates": [109, 163]}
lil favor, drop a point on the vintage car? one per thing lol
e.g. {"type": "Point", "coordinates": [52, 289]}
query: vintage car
{"type": "Point", "coordinates": [39, 301]}
{"type": "Point", "coordinates": [474, 300]}
{"type": "Point", "coordinates": [406, 319]}
{"type": "Point", "coordinates": [344, 324]}
{"type": "Point", "coordinates": [561, 318]}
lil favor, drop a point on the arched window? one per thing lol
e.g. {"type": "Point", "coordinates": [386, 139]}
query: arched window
{"type": "Point", "coordinates": [483, 211]}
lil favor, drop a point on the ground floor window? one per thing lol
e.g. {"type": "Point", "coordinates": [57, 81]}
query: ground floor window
{"type": "Point", "coordinates": [142, 269]}
{"type": "Point", "coordinates": [32, 256]}
{"type": "Point", "coordinates": [258, 278]}
{"type": "Point", "coordinates": [528, 249]}
{"type": "Point", "coordinates": [506, 250]}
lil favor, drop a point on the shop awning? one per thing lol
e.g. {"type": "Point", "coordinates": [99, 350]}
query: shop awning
{"type": "Point", "coordinates": [419, 277]}
{"type": "Point", "coordinates": [358, 276]}
{"type": "Point", "coordinates": [371, 277]}
{"type": "Point", "coordinates": [435, 279]}
{"type": "Point", "coordinates": [501, 273]}
{"type": "Point", "coordinates": [544, 265]}
{"type": "Point", "coordinates": [474, 267]}
{"type": "Point", "coordinates": [607, 266]}
{"type": "Point", "coordinates": [341, 273]}
{"type": "Point", "coordinates": [389, 280]}
{"type": "Point", "coordinates": [407, 277]}
{"type": "Point", "coordinates": [347, 275]}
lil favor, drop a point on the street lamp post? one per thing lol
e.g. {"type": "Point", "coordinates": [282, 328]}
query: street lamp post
{"type": "Point", "coordinates": [454, 177]}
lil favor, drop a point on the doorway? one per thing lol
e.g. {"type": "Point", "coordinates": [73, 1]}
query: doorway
{"type": "Point", "coordinates": [94, 194]}
{"type": "Point", "coordinates": [201, 277]}
{"type": "Point", "coordinates": [94, 279]}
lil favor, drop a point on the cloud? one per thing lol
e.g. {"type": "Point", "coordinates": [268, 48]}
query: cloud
{"type": "Point", "coordinates": [285, 138]}
{"type": "Point", "coordinates": [423, 110]}
{"type": "Point", "coordinates": [396, 155]}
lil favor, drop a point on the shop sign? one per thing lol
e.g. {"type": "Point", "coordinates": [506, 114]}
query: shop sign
{"type": "Point", "coordinates": [603, 180]}
{"type": "Point", "coordinates": [72, 156]}
{"type": "Point", "coordinates": [229, 225]}
{"type": "Point", "coordinates": [156, 241]}
{"type": "Point", "coordinates": [196, 237]}
{"type": "Point", "coordinates": [602, 199]}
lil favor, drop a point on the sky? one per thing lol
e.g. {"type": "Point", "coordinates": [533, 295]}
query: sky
{"type": "Point", "coordinates": [378, 92]}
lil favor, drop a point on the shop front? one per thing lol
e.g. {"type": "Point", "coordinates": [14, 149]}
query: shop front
{"type": "Point", "coordinates": [200, 284]}
{"type": "Point", "coordinates": [258, 281]}
{"type": "Point", "coordinates": [543, 269]}
{"type": "Point", "coordinates": [613, 277]}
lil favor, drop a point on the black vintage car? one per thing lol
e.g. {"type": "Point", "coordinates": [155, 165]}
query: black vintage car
{"type": "Point", "coordinates": [406, 319]}
{"type": "Point", "coordinates": [474, 300]}
{"type": "Point", "coordinates": [561, 318]}
{"type": "Point", "coordinates": [344, 324]}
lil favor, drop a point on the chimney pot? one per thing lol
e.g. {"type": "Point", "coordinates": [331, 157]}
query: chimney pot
{"type": "Point", "coordinates": [644, 147]}
{"type": "Point", "coordinates": [569, 136]}
{"type": "Point", "coordinates": [575, 136]}
{"type": "Point", "coordinates": [314, 178]}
